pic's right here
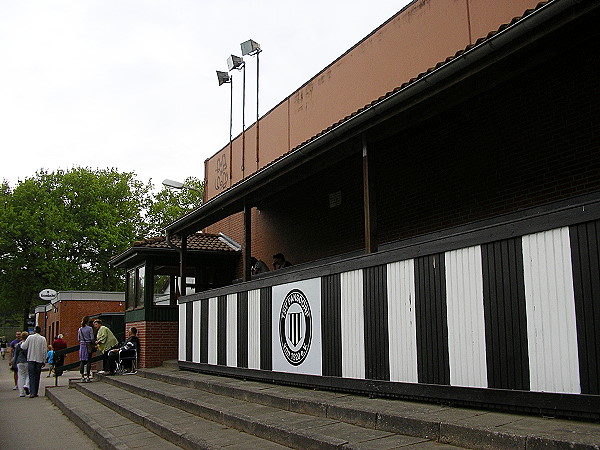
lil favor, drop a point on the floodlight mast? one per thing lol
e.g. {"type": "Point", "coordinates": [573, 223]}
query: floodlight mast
{"type": "Point", "coordinates": [236, 62]}
{"type": "Point", "coordinates": [252, 48]}
{"type": "Point", "coordinates": [224, 77]}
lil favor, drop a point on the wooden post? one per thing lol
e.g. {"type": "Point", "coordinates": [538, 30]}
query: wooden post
{"type": "Point", "coordinates": [370, 205]}
{"type": "Point", "coordinates": [183, 265]}
{"type": "Point", "coordinates": [247, 252]}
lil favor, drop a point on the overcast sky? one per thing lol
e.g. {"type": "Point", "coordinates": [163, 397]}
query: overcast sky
{"type": "Point", "coordinates": [131, 84]}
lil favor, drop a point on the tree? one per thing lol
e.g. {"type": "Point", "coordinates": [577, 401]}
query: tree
{"type": "Point", "coordinates": [169, 204]}
{"type": "Point", "coordinates": [60, 229]}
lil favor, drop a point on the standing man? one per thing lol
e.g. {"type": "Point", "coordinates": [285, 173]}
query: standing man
{"type": "Point", "coordinates": [106, 341]}
{"type": "Point", "coordinates": [58, 344]}
{"type": "Point", "coordinates": [36, 347]}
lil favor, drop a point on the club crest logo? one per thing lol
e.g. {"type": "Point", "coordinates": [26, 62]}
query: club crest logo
{"type": "Point", "coordinates": [295, 327]}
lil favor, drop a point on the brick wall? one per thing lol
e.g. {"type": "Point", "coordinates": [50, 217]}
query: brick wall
{"type": "Point", "coordinates": [158, 341]}
{"type": "Point", "coordinates": [513, 147]}
{"type": "Point", "coordinates": [67, 320]}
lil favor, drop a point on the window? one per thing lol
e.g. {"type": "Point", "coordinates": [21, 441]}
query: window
{"type": "Point", "coordinates": [162, 289]}
{"type": "Point", "coordinates": [134, 295]}
{"type": "Point", "coordinates": [130, 293]}
{"type": "Point", "coordinates": [139, 286]}
{"type": "Point", "coordinates": [166, 289]}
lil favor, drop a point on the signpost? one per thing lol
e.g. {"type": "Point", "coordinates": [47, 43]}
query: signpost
{"type": "Point", "coordinates": [48, 294]}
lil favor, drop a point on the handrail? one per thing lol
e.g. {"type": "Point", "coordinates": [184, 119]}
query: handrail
{"type": "Point", "coordinates": [58, 371]}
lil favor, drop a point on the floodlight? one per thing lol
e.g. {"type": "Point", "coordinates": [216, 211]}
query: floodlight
{"type": "Point", "coordinates": [235, 62]}
{"type": "Point", "coordinates": [223, 77]}
{"type": "Point", "coordinates": [250, 47]}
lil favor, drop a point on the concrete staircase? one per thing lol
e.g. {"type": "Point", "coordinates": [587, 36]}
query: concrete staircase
{"type": "Point", "coordinates": [167, 408]}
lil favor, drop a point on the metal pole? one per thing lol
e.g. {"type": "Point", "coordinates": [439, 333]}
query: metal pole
{"type": "Point", "coordinates": [257, 123]}
{"type": "Point", "coordinates": [231, 128]}
{"type": "Point", "coordinates": [243, 118]}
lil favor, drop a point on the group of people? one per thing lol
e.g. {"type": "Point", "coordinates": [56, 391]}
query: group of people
{"type": "Point", "coordinates": [102, 340]}
{"type": "Point", "coordinates": [279, 262]}
{"type": "Point", "coordinates": [29, 353]}
{"type": "Point", "coordinates": [27, 358]}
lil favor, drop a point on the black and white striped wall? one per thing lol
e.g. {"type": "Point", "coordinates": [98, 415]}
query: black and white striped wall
{"type": "Point", "coordinates": [512, 322]}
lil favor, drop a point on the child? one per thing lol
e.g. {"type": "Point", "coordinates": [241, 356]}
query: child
{"type": "Point", "coordinates": [50, 358]}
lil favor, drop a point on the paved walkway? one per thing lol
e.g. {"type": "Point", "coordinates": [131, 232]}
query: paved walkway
{"type": "Point", "coordinates": [32, 423]}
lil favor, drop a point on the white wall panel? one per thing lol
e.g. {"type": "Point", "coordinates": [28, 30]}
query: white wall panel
{"type": "Point", "coordinates": [550, 305]}
{"type": "Point", "coordinates": [465, 318]}
{"type": "Point", "coordinates": [232, 330]}
{"type": "Point", "coordinates": [353, 325]}
{"type": "Point", "coordinates": [254, 329]}
{"type": "Point", "coordinates": [212, 330]}
{"type": "Point", "coordinates": [182, 332]}
{"type": "Point", "coordinates": [401, 321]}
{"type": "Point", "coordinates": [197, 327]}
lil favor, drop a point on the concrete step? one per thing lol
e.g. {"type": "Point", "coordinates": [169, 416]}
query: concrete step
{"type": "Point", "coordinates": [106, 428]}
{"type": "Point", "coordinates": [281, 426]}
{"type": "Point", "coordinates": [179, 428]}
{"type": "Point", "coordinates": [469, 428]}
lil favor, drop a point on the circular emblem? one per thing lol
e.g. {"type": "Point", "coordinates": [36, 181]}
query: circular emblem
{"type": "Point", "coordinates": [295, 327]}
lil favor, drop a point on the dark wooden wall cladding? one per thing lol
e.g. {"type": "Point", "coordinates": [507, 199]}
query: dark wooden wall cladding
{"type": "Point", "coordinates": [427, 302]}
{"type": "Point", "coordinates": [432, 328]}
{"type": "Point", "coordinates": [222, 330]}
{"type": "Point", "coordinates": [585, 256]}
{"type": "Point", "coordinates": [242, 329]}
{"type": "Point", "coordinates": [266, 340]}
{"type": "Point", "coordinates": [331, 304]}
{"type": "Point", "coordinates": [505, 316]}
{"type": "Point", "coordinates": [377, 363]}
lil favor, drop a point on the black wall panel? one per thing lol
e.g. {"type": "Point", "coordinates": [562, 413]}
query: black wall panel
{"type": "Point", "coordinates": [331, 325]}
{"type": "Point", "coordinates": [266, 342]}
{"type": "Point", "coordinates": [585, 256]}
{"type": "Point", "coordinates": [204, 331]}
{"type": "Point", "coordinates": [505, 315]}
{"type": "Point", "coordinates": [242, 331]}
{"type": "Point", "coordinates": [377, 361]}
{"type": "Point", "coordinates": [222, 330]}
{"type": "Point", "coordinates": [433, 364]}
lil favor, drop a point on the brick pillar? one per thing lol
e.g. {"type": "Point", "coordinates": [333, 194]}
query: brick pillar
{"type": "Point", "coordinates": [158, 342]}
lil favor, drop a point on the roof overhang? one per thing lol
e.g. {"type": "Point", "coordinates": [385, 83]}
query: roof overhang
{"type": "Point", "coordinates": [519, 34]}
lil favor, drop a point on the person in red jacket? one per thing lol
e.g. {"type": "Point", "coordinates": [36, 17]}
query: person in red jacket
{"type": "Point", "coordinates": [58, 344]}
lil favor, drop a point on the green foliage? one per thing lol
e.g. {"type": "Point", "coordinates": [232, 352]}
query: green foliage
{"type": "Point", "coordinates": [170, 204]}
{"type": "Point", "coordinates": [59, 230]}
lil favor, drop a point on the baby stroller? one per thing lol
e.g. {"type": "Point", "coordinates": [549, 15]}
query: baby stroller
{"type": "Point", "coordinates": [127, 360]}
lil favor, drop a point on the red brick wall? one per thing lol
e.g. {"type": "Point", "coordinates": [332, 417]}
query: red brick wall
{"type": "Point", "coordinates": [158, 342]}
{"type": "Point", "coordinates": [69, 314]}
{"type": "Point", "coordinates": [300, 223]}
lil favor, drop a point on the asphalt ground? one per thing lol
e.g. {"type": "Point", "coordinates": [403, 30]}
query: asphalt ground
{"type": "Point", "coordinates": [35, 423]}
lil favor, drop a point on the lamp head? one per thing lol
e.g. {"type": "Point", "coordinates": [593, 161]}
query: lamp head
{"type": "Point", "coordinates": [250, 47]}
{"type": "Point", "coordinates": [235, 62]}
{"type": "Point", "coordinates": [172, 184]}
{"type": "Point", "coordinates": [223, 77]}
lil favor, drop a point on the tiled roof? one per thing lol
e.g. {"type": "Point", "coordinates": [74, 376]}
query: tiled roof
{"type": "Point", "coordinates": [197, 241]}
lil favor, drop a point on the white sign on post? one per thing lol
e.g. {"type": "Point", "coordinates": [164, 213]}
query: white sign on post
{"type": "Point", "coordinates": [48, 294]}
